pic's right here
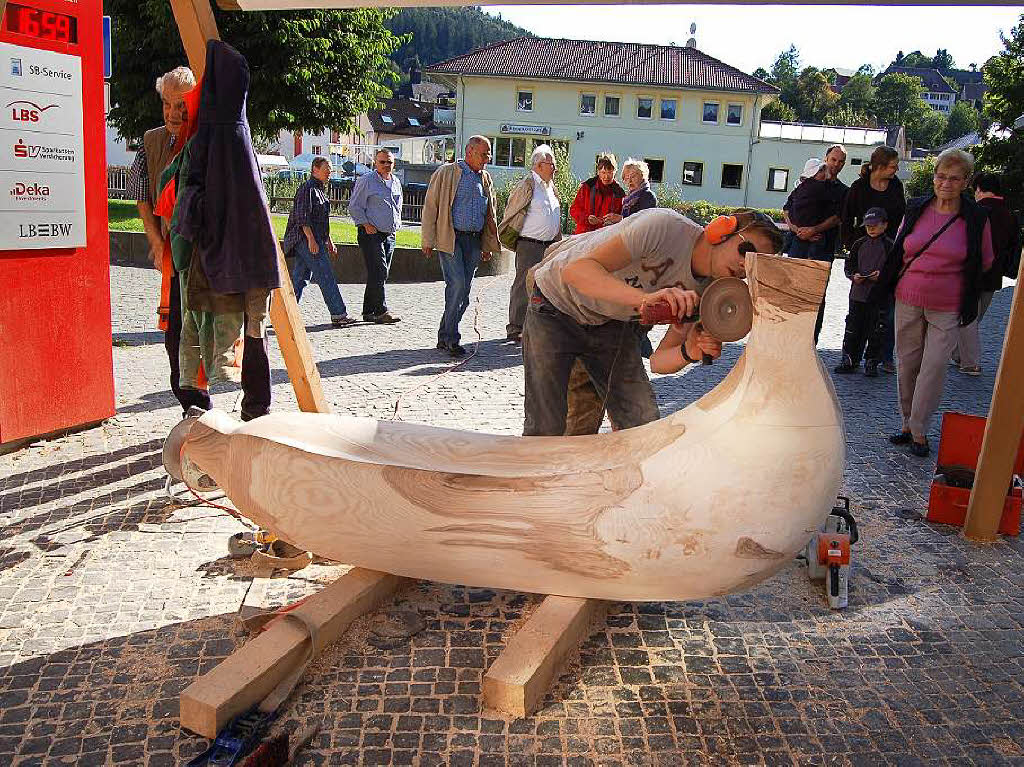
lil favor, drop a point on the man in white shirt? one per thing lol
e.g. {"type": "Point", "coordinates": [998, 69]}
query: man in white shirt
{"type": "Point", "coordinates": [534, 211]}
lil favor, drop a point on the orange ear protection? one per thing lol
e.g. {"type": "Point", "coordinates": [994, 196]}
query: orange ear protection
{"type": "Point", "coordinates": [721, 229]}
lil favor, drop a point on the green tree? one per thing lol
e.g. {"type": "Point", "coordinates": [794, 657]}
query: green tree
{"type": "Point", "coordinates": [310, 69]}
{"type": "Point", "coordinates": [778, 111]}
{"type": "Point", "coordinates": [848, 116]}
{"type": "Point", "coordinates": [813, 96]}
{"type": "Point", "coordinates": [1004, 103]}
{"type": "Point", "coordinates": [763, 74]}
{"type": "Point", "coordinates": [920, 181]}
{"type": "Point", "coordinates": [786, 66]}
{"type": "Point", "coordinates": [898, 100]}
{"type": "Point", "coordinates": [943, 60]}
{"type": "Point", "coordinates": [916, 59]}
{"type": "Point", "coordinates": [436, 34]}
{"type": "Point", "coordinates": [929, 131]}
{"type": "Point", "coordinates": [963, 119]}
{"type": "Point", "coordinates": [858, 94]}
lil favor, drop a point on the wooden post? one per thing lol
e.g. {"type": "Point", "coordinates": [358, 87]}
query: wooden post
{"type": "Point", "coordinates": [197, 25]}
{"type": "Point", "coordinates": [248, 675]}
{"type": "Point", "coordinates": [1002, 431]}
{"type": "Point", "coordinates": [516, 682]}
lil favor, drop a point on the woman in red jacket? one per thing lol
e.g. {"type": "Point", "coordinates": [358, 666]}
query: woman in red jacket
{"type": "Point", "coordinates": [599, 199]}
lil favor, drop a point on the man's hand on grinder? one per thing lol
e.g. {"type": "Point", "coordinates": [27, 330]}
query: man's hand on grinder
{"type": "Point", "coordinates": [683, 302]}
{"type": "Point", "coordinates": [700, 342]}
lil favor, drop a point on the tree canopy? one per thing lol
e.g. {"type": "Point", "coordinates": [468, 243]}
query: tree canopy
{"type": "Point", "coordinates": [436, 34]}
{"type": "Point", "coordinates": [1004, 103]}
{"type": "Point", "coordinates": [963, 119]}
{"type": "Point", "coordinates": [313, 70]}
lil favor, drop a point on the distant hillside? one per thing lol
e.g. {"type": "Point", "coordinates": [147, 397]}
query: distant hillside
{"type": "Point", "coordinates": [441, 33]}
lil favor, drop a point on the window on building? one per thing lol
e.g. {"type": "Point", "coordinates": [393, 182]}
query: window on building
{"type": "Point", "coordinates": [668, 109]}
{"type": "Point", "coordinates": [710, 112]}
{"type": "Point", "coordinates": [524, 101]}
{"type": "Point", "coordinates": [386, 119]}
{"type": "Point", "coordinates": [413, 121]}
{"type": "Point", "coordinates": [316, 149]}
{"type": "Point", "coordinates": [611, 106]}
{"type": "Point", "coordinates": [735, 114]}
{"type": "Point", "coordinates": [732, 176]}
{"type": "Point", "coordinates": [644, 108]}
{"type": "Point", "coordinates": [693, 173]}
{"type": "Point", "coordinates": [778, 179]}
{"type": "Point", "coordinates": [508, 152]}
{"type": "Point", "coordinates": [588, 104]}
{"type": "Point", "coordinates": [657, 168]}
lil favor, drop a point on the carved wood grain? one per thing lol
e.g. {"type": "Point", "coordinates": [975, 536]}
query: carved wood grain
{"type": "Point", "coordinates": [707, 500]}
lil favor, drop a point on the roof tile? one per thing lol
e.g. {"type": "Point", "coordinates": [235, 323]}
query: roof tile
{"type": "Point", "coordinates": [593, 61]}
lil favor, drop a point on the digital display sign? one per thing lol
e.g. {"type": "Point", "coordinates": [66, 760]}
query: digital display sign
{"type": "Point", "coordinates": [44, 25]}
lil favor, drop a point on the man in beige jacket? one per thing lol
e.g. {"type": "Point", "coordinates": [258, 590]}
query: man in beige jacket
{"type": "Point", "coordinates": [459, 222]}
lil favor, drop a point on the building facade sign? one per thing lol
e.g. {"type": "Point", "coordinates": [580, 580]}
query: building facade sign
{"type": "Point", "coordinates": [42, 171]}
{"type": "Point", "coordinates": [526, 130]}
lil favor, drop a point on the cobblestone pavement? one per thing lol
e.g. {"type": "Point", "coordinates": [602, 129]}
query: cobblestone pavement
{"type": "Point", "coordinates": [112, 599]}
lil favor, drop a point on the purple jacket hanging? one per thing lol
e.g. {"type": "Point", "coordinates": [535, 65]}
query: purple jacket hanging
{"type": "Point", "coordinates": [223, 204]}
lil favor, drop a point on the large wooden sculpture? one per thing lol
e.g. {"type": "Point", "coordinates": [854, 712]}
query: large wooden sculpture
{"type": "Point", "coordinates": [707, 501]}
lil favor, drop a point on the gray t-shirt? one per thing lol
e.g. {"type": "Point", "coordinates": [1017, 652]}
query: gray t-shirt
{"type": "Point", "coordinates": [660, 243]}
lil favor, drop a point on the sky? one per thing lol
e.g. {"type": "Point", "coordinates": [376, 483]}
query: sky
{"type": "Point", "coordinates": [748, 37]}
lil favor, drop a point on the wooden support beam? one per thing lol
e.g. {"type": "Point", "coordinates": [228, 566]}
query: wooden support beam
{"type": "Point", "coordinates": [1002, 431]}
{"type": "Point", "coordinates": [248, 675]}
{"type": "Point", "coordinates": [517, 681]}
{"type": "Point", "coordinates": [197, 25]}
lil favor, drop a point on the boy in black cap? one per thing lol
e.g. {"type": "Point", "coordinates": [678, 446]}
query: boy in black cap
{"type": "Point", "coordinates": [865, 263]}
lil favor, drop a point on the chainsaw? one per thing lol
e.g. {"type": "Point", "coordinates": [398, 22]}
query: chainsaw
{"type": "Point", "coordinates": [828, 553]}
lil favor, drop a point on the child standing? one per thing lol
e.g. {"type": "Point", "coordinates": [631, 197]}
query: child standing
{"type": "Point", "coordinates": [867, 258]}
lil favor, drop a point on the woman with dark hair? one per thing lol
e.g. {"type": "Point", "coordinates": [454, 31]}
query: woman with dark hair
{"type": "Point", "coordinates": [988, 192]}
{"type": "Point", "coordinates": [940, 255]}
{"type": "Point", "coordinates": [877, 187]}
{"type": "Point", "coordinates": [598, 202]}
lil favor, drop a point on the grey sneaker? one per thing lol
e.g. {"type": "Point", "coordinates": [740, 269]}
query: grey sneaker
{"type": "Point", "coordinates": [340, 321]}
{"type": "Point", "coordinates": [970, 370]}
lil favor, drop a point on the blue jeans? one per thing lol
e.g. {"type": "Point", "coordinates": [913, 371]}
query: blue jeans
{"type": "Point", "coordinates": [318, 267]}
{"type": "Point", "coordinates": [458, 269]}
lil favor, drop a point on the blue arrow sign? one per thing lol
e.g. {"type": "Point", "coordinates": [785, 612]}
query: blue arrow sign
{"type": "Point", "coordinates": [107, 54]}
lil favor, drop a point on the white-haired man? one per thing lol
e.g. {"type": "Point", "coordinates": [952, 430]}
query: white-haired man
{"type": "Point", "coordinates": [158, 149]}
{"type": "Point", "coordinates": [532, 222]}
{"type": "Point", "coordinates": [459, 222]}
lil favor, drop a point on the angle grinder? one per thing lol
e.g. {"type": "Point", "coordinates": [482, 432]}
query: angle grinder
{"type": "Point", "coordinates": [177, 468]}
{"type": "Point", "coordinates": [725, 311]}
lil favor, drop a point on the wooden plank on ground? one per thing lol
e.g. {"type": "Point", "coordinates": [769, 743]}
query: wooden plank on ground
{"type": "Point", "coordinates": [197, 25]}
{"type": "Point", "coordinates": [517, 681]}
{"type": "Point", "coordinates": [248, 675]}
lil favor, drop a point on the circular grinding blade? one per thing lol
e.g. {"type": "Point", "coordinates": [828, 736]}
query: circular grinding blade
{"type": "Point", "coordinates": [726, 310]}
{"type": "Point", "coordinates": [173, 444]}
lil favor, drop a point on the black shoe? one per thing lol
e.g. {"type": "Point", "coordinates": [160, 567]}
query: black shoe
{"type": "Point", "coordinates": [514, 337]}
{"type": "Point", "coordinates": [442, 346]}
{"type": "Point", "coordinates": [384, 318]}
{"type": "Point", "coordinates": [901, 438]}
{"type": "Point", "coordinates": [457, 350]}
{"type": "Point", "coordinates": [871, 369]}
{"type": "Point", "coordinates": [920, 449]}
{"type": "Point", "coordinates": [846, 366]}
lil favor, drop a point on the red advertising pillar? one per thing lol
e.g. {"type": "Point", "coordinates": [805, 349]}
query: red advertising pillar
{"type": "Point", "coordinates": [56, 367]}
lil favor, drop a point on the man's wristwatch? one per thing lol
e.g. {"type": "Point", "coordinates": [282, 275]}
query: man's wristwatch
{"type": "Point", "coordinates": [690, 360]}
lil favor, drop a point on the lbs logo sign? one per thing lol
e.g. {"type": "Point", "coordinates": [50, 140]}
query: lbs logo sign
{"type": "Point", "coordinates": [33, 192]}
{"type": "Point", "coordinates": [28, 111]}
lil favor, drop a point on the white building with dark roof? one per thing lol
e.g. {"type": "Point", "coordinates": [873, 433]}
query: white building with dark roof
{"type": "Point", "coordinates": [937, 92]}
{"type": "Point", "coordinates": [693, 118]}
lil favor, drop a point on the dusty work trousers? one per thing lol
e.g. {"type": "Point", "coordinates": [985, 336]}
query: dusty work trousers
{"type": "Point", "coordinates": [924, 340]}
{"type": "Point", "coordinates": [529, 253]}
{"type": "Point", "coordinates": [552, 343]}
{"type": "Point", "coordinates": [968, 349]}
